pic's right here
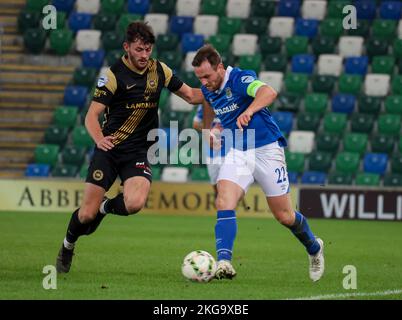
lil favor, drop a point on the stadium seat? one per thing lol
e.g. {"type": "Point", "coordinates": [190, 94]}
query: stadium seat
{"type": "Point", "coordinates": [113, 56]}
{"type": "Point", "coordinates": [164, 6]}
{"type": "Point", "coordinates": [36, 5]}
{"type": "Point", "coordinates": [256, 25]}
{"type": "Point", "coordinates": [350, 84]}
{"type": "Point", "coordinates": [296, 45]}
{"type": "Point", "coordinates": [320, 161]}
{"type": "Point", "coordinates": [189, 8]}
{"type": "Point", "coordinates": [174, 174]}
{"type": "Point", "coordinates": [356, 65]}
{"type": "Point", "coordinates": [220, 42]}
{"type": "Point", "coordinates": [344, 103]}
{"type": "Point", "coordinates": [37, 170]}
{"type": "Point", "coordinates": [347, 162]}
{"type": "Point", "coordinates": [293, 177]}
{"type": "Point", "coordinates": [199, 174]}
{"type": "Point", "coordinates": [306, 27]}
{"type": "Point", "coordinates": [361, 122]}
{"type": "Point", "coordinates": [335, 8]}
{"type": "Point", "coordinates": [335, 122]}
{"type": "Point", "coordinates": [81, 137]}
{"type": "Point", "coordinates": [301, 141]}
{"type": "Point", "coordinates": [296, 83]}
{"type": "Point", "coordinates": [230, 26]}
{"type": "Point", "coordinates": [263, 8]}
{"type": "Point", "coordinates": [250, 62]}
{"type": "Point", "coordinates": [295, 161]}
{"type": "Point", "coordinates": [72, 155]}
{"type": "Point", "coordinates": [270, 45]}
{"type": "Point", "coordinates": [180, 25]}
{"type": "Point", "coordinates": [355, 142]}
{"type": "Point", "coordinates": [288, 101]}
{"type": "Point", "coordinates": [375, 163]}
{"type": "Point", "coordinates": [308, 121]}
{"type": "Point", "coordinates": [65, 116]}
{"type": "Point", "coordinates": [331, 27]}
{"type": "Point", "coordinates": [172, 59]}
{"type": "Point", "coordinates": [328, 142]}
{"type": "Point", "coordinates": [389, 124]}
{"type": "Point", "coordinates": [366, 9]}
{"type": "Point", "coordinates": [191, 42]}
{"type": "Point", "coordinates": [112, 40]}
{"type": "Point", "coordinates": [28, 20]}
{"type": "Point", "coordinates": [61, 20]}
{"type": "Point", "coordinates": [88, 6]}
{"type": "Point", "coordinates": [213, 7]}
{"type": "Point", "coordinates": [272, 78]}
{"type": "Point", "coordinates": [390, 10]}
{"type": "Point", "coordinates": [84, 77]}
{"type": "Point", "coordinates": [93, 59]}
{"type": "Point", "coordinates": [167, 42]}
{"type": "Point", "coordinates": [75, 96]}
{"type": "Point", "coordinates": [46, 154]}
{"type": "Point", "coordinates": [281, 27]}
{"type": "Point", "coordinates": [323, 83]}
{"type": "Point", "coordinates": [316, 103]}
{"type": "Point", "coordinates": [138, 7]}
{"type": "Point", "coordinates": [383, 65]}
{"type": "Point", "coordinates": [56, 135]}
{"type": "Point", "coordinates": [351, 46]}
{"type": "Point", "coordinates": [125, 19]}
{"type": "Point", "coordinates": [165, 99]}
{"type": "Point", "coordinates": [400, 29]}
{"type": "Point", "coordinates": [87, 40]}
{"type": "Point", "coordinates": [79, 21]}
{"type": "Point", "coordinates": [396, 163]}
{"type": "Point", "coordinates": [303, 63]}
{"type": "Point", "coordinates": [64, 5]}
{"type": "Point", "coordinates": [113, 6]}
{"type": "Point", "coordinates": [104, 22]}
{"type": "Point", "coordinates": [188, 60]}
{"type": "Point", "coordinates": [206, 25]}
{"type": "Point", "coordinates": [393, 104]}
{"type": "Point", "coordinates": [314, 9]}
{"type": "Point", "coordinates": [381, 143]}
{"type": "Point", "coordinates": [367, 179]}
{"type": "Point", "coordinates": [289, 8]}
{"type": "Point", "coordinates": [323, 44]}
{"type": "Point", "coordinates": [368, 104]}
{"type": "Point", "coordinates": [377, 85]}
{"type": "Point", "coordinates": [376, 47]}
{"type": "Point", "coordinates": [384, 29]}
{"type": "Point", "coordinates": [330, 64]}
{"type": "Point", "coordinates": [363, 28]}
{"type": "Point", "coordinates": [178, 104]}
{"type": "Point", "coordinates": [158, 21]}
{"type": "Point", "coordinates": [238, 8]}
{"type": "Point", "coordinates": [35, 40]}
{"type": "Point", "coordinates": [313, 177]}
{"type": "Point", "coordinates": [393, 180]}
{"type": "Point", "coordinates": [244, 44]}
{"type": "Point", "coordinates": [284, 120]}
{"type": "Point", "coordinates": [397, 51]}
{"type": "Point", "coordinates": [61, 41]}
{"type": "Point", "coordinates": [276, 62]}
{"type": "Point", "coordinates": [339, 178]}
{"type": "Point", "coordinates": [64, 171]}
{"type": "Point", "coordinates": [190, 79]}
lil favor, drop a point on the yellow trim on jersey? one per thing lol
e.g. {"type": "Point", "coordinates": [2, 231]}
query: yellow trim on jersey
{"type": "Point", "coordinates": [111, 83]}
{"type": "Point", "coordinates": [168, 73]}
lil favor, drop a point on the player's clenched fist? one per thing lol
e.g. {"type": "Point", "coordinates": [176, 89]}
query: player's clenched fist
{"type": "Point", "coordinates": [244, 119]}
{"type": "Point", "coordinates": [106, 143]}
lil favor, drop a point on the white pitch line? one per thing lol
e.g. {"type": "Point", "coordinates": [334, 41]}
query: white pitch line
{"type": "Point", "coordinates": [347, 295]}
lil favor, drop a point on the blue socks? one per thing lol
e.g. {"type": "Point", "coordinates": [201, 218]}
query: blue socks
{"type": "Point", "coordinates": [225, 233]}
{"type": "Point", "coordinates": [302, 231]}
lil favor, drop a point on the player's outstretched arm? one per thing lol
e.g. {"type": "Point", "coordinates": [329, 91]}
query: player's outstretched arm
{"type": "Point", "coordinates": [191, 95]}
{"type": "Point", "coordinates": [94, 128]}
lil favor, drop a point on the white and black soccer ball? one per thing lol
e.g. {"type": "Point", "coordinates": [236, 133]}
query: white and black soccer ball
{"type": "Point", "coordinates": [199, 266]}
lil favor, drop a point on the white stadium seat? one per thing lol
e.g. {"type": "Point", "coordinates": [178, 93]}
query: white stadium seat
{"type": "Point", "coordinates": [301, 141]}
{"type": "Point", "coordinates": [189, 8]}
{"type": "Point", "coordinates": [400, 29]}
{"type": "Point", "coordinates": [174, 174]}
{"type": "Point", "coordinates": [377, 84]}
{"type": "Point", "coordinates": [314, 9]}
{"type": "Point", "coordinates": [88, 6]}
{"type": "Point", "coordinates": [158, 21]}
{"type": "Point", "coordinates": [351, 46]}
{"type": "Point", "coordinates": [244, 44]}
{"type": "Point", "coordinates": [281, 27]}
{"type": "Point", "coordinates": [179, 104]}
{"type": "Point", "coordinates": [207, 25]}
{"type": "Point", "coordinates": [103, 71]}
{"type": "Point", "coordinates": [330, 64]}
{"type": "Point", "coordinates": [238, 8]}
{"type": "Point", "coordinates": [88, 40]}
{"type": "Point", "coordinates": [189, 60]}
{"type": "Point", "coordinates": [272, 78]}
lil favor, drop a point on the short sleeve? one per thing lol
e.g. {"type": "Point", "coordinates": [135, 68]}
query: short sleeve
{"type": "Point", "coordinates": [106, 88]}
{"type": "Point", "coordinates": [243, 81]}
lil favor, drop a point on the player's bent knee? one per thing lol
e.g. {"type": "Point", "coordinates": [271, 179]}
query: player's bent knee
{"type": "Point", "coordinates": [284, 217]}
{"type": "Point", "coordinates": [86, 215]}
{"type": "Point", "coordinates": [223, 203]}
{"type": "Point", "coordinates": [134, 206]}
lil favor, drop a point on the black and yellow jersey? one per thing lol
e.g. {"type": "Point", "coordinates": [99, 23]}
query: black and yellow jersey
{"type": "Point", "coordinates": [131, 98]}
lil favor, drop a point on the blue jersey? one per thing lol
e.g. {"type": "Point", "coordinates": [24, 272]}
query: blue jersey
{"type": "Point", "coordinates": [232, 99]}
{"type": "Point", "coordinates": [199, 115]}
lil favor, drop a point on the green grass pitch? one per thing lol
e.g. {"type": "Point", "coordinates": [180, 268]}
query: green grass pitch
{"type": "Point", "coordinates": [139, 257]}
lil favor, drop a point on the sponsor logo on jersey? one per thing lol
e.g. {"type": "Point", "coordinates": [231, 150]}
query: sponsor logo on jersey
{"type": "Point", "coordinates": [227, 109]}
{"type": "Point", "coordinates": [247, 79]}
{"type": "Point", "coordinates": [98, 175]}
{"type": "Point", "coordinates": [102, 81]}
{"type": "Point", "coordinates": [229, 94]}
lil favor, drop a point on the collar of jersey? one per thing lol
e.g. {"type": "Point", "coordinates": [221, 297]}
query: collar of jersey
{"type": "Point", "coordinates": [132, 68]}
{"type": "Point", "coordinates": [225, 80]}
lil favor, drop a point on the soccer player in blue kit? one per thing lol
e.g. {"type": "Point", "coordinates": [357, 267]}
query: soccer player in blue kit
{"type": "Point", "coordinates": [239, 100]}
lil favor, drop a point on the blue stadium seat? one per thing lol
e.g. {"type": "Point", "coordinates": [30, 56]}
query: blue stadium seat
{"type": "Point", "coordinates": [37, 170]}
{"type": "Point", "coordinates": [289, 8]}
{"type": "Point", "coordinates": [191, 42]}
{"type": "Point", "coordinates": [75, 96]}
{"type": "Point", "coordinates": [138, 7]}
{"type": "Point", "coordinates": [307, 27]}
{"type": "Point", "coordinates": [344, 103]}
{"type": "Point", "coordinates": [356, 65]}
{"type": "Point", "coordinates": [79, 21]}
{"type": "Point", "coordinates": [303, 63]}
{"type": "Point", "coordinates": [180, 25]}
{"type": "Point", "coordinates": [284, 120]}
{"type": "Point", "coordinates": [313, 177]}
{"type": "Point", "coordinates": [293, 177]}
{"type": "Point", "coordinates": [391, 10]}
{"type": "Point", "coordinates": [93, 59]}
{"type": "Point", "coordinates": [375, 162]}
{"type": "Point", "coordinates": [64, 5]}
{"type": "Point", "coordinates": [366, 9]}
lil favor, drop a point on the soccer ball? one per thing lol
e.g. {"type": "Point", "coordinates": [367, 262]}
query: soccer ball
{"type": "Point", "coordinates": [199, 266]}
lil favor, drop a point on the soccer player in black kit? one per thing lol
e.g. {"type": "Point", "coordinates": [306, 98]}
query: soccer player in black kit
{"type": "Point", "coordinates": [128, 95]}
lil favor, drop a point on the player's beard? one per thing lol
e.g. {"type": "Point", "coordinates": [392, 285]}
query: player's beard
{"type": "Point", "coordinates": [135, 62]}
{"type": "Point", "coordinates": [216, 85]}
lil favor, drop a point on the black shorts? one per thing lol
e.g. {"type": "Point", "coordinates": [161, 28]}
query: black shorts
{"type": "Point", "coordinates": [106, 166]}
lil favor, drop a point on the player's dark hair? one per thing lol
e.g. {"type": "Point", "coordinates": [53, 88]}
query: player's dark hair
{"type": "Point", "coordinates": [139, 30]}
{"type": "Point", "coordinates": [207, 53]}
